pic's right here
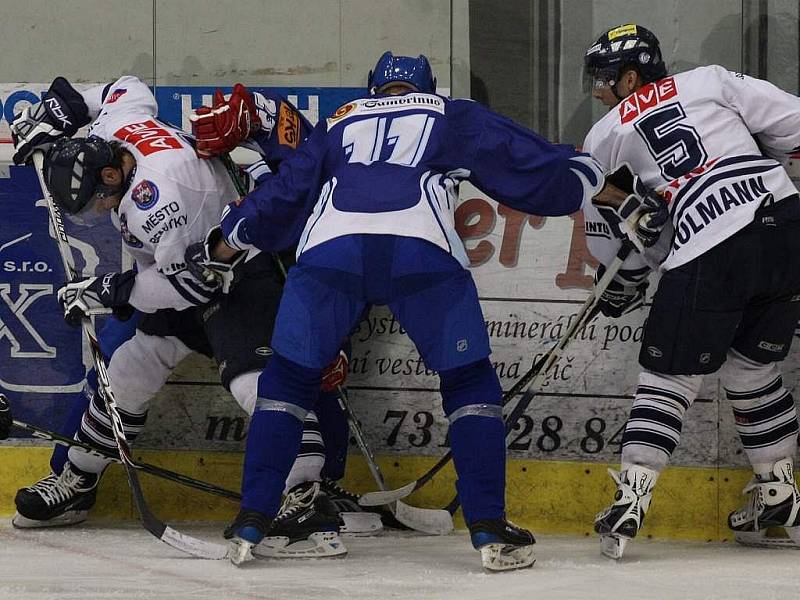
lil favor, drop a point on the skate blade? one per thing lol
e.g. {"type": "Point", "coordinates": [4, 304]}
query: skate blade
{"type": "Point", "coordinates": [503, 557]}
{"type": "Point", "coordinates": [71, 517]}
{"type": "Point", "coordinates": [772, 537]}
{"type": "Point", "coordinates": [613, 546]}
{"type": "Point", "coordinates": [240, 551]}
{"type": "Point", "coordinates": [318, 545]}
{"type": "Point", "coordinates": [360, 523]}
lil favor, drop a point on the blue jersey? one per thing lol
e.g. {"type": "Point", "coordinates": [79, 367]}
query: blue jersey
{"type": "Point", "coordinates": [391, 165]}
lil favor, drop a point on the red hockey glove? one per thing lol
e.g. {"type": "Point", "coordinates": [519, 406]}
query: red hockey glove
{"type": "Point", "coordinates": [335, 374]}
{"type": "Point", "coordinates": [222, 127]}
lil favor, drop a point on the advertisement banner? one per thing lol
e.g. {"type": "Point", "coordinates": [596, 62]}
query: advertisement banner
{"type": "Point", "coordinates": [533, 275]}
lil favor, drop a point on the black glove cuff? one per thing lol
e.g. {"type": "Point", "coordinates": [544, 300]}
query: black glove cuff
{"type": "Point", "coordinates": [65, 107]}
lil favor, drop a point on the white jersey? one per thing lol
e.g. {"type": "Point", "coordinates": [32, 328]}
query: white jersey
{"type": "Point", "coordinates": [173, 199]}
{"type": "Point", "coordinates": [712, 142]}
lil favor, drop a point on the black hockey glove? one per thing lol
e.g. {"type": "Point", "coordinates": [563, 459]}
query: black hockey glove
{"type": "Point", "coordinates": [619, 299]}
{"type": "Point", "coordinates": [641, 217]}
{"type": "Point", "coordinates": [101, 295]}
{"type": "Point", "coordinates": [655, 214]}
{"type": "Point", "coordinates": [210, 272]}
{"type": "Point", "coordinates": [61, 112]}
{"type": "Point", "coordinates": [5, 418]}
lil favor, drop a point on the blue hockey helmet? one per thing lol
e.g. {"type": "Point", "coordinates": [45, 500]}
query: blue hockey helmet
{"type": "Point", "coordinates": [406, 69]}
{"type": "Point", "coordinates": [621, 47]}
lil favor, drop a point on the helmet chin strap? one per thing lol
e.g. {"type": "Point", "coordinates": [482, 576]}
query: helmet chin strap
{"type": "Point", "coordinates": [105, 190]}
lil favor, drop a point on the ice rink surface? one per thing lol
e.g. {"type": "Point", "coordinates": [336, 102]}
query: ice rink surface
{"type": "Point", "coordinates": [111, 561]}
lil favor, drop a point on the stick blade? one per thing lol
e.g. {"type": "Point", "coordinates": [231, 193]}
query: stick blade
{"type": "Point", "coordinates": [432, 521]}
{"type": "Point", "coordinates": [192, 545]}
{"type": "Point", "coordinates": [387, 496]}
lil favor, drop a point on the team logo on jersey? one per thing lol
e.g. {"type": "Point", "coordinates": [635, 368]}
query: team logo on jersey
{"type": "Point", "coordinates": [342, 111]}
{"type": "Point", "coordinates": [288, 126]}
{"type": "Point", "coordinates": [116, 95]}
{"type": "Point", "coordinates": [129, 238]}
{"type": "Point", "coordinates": [145, 194]}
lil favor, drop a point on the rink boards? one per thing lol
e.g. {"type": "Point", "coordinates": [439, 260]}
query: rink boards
{"type": "Point", "coordinates": [532, 274]}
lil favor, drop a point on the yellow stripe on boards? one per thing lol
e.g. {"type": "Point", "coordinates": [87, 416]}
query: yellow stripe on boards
{"type": "Point", "coordinates": [545, 496]}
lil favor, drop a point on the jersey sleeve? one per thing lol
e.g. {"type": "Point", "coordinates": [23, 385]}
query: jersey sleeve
{"type": "Point", "coordinates": [519, 168]}
{"type": "Point", "coordinates": [126, 93]}
{"type": "Point", "coordinates": [283, 129]}
{"type": "Point", "coordinates": [771, 115]}
{"type": "Point", "coordinates": [167, 283]}
{"type": "Point", "coordinates": [272, 216]}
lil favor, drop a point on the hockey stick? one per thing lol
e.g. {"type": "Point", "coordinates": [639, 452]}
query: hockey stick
{"type": "Point", "coordinates": [427, 520]}
{"type": "Point", "coordinates": [57, 438]}
{"type": "Point", "coordinates": [151, 523]}
{"type": "Point", "coordinates": [241, 189]}
{"type": "Point", "coordinates": [533, 376]}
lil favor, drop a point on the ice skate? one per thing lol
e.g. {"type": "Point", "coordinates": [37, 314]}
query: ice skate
{"type": "Point", "coordinates": [772, 511]}
{"type": "Point", "coordinates": [307, 526]}
{"type": "Point", "coordinates": [63, 499]}
{"type": "Point", "coordinates": [353, 518]}
{"type": "Point", "coordinates": [247, 530]}
{"type": "Point", "coordinates": [503, 545]}
{"type": "Point", "coordinates": [620, 522]}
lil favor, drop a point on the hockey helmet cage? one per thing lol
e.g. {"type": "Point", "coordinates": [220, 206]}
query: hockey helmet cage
{"type": "Point", "coordinates": [620, 47]}
{"type": "Point", "coordinates": [407, 69]}
{"type": "Point", "coordinates": [72, 172]}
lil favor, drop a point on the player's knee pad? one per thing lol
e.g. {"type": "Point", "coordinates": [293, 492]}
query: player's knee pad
{"type": "Point", "coordinates": [653, 430]}
{"type": "Point", "coordinates": [764, 410]}
{"type": "Point", "coordinates": [473, 389]}
{"type": "Point", "coordinates": [287, 386]}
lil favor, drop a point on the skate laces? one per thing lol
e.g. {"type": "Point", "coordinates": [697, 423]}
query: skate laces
{"type": "Point", "coordinates": [296, 501]}
{"type": "Point", "coordinates": [337, 490]}
{"type": "Point", "coordinates": [58, 488]}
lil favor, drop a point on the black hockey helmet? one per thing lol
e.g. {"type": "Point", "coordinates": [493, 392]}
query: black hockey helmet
{"type": "Point", "coordinates": [620, 47]}
{"type": "Point", "coordinates": [72, 172]}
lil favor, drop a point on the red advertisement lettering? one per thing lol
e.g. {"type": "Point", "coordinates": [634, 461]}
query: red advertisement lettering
{"type": "Point", "coordinates": [149, 137]}
{"type": "Point", "coordinates": [646, 98]}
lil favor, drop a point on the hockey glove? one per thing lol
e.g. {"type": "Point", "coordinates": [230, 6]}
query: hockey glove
{"type": "Point", "coordinates": [640, 216]}
{"type": "Point", "coordinates": [97, 296]}
{"type": "Point", "coordinates": [213, 273]}
{"type": "Point", "coordinates": [655, 214]}
{"type": "Point", "coordinates": [61, 112]}
{"type": "Point", "coordinates": [619, 299]}
{"type": "Point", "coordinates": [335, 374]}
{"type": "Point", "coordinates": [5, 418]}
{"type": "Point", "coordinates": [226, 124]}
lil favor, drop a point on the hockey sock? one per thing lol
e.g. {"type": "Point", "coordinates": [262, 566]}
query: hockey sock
{"type": "Point", "coordinates": [73, 421]}
{"type": "Point", "coordinates": [311, 456]}
{"type": "Point", "coordinates": [335, 434]}
{"type": "Point", "coordinates": [764, 411]}
{"type": "Point", "coordinates": [471, 398]}
{"type": "Point", "coordinates": [654, 426]}
{"type": "Point", "coordinates": [286, 392]}
{"type": "Point", "coordinates": [96, 430]}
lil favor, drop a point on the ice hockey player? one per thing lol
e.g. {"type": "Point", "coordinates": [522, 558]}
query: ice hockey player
{"type": "Point", "coordinates": [373, 191]}
{"type": "Point", "coordinates": [711, 143]}
{"type": "Point", "coordinates": [163, 199]}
